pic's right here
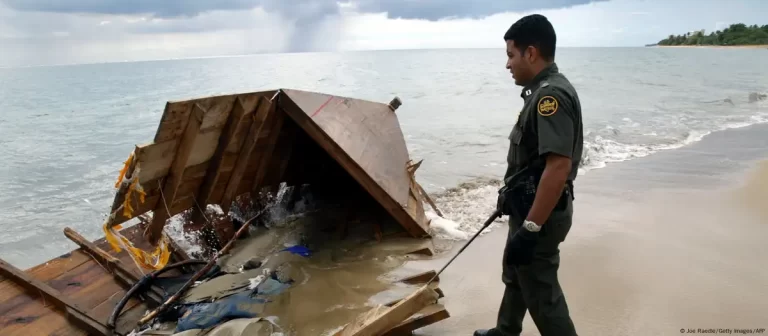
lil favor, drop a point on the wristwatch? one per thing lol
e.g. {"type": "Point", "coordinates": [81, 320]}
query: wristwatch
{"type": "Point", "coordinates": [531, 226]}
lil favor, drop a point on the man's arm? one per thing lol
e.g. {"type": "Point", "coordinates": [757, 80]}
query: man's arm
{"type": "Point", "coordinates": [550, 188]}
{"type": "Point", "coordinates": [555, 125]}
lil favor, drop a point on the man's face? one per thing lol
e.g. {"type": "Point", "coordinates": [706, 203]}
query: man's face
{"type": "Point", "coordinates": [518, 64]}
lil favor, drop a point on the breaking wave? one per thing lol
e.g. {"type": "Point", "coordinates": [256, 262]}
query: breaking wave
{"type": "Point", "coordinates": [466, 206]}
{"type": "Point", "coordinates": [599, 150]}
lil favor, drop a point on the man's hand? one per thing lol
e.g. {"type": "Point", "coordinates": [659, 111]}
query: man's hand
{"type": "Point", "coordinates": [550, 187]}
{"type": "Point", "coordinates": [520, 249]}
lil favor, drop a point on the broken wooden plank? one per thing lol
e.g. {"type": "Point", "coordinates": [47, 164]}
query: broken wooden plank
{"type": "Point", "coordinates": [381, 318]}
{"type": "Point", "coordinates": [412, 167]}
{"type": "Point", "coordinates": [427, 316]}
{"type": "Point", "coordinates": [419, 278]}
{"type": "Point", "coordinates": [416, 204]}
{"type": "Point", "coordinates": [264, 109]}
{"type": "Point", "coordinates": [174, 178]}
{"type": "Point", "coordinates": [434, 285]}
{"type": "Point", "coordinates": [122, 189]}
{"type": "Point", "coordinates": [76, 313]}
{"type": "Point", "coordinates": [429, 199]}
{"type": "Point", "coordinates": [427, 249]}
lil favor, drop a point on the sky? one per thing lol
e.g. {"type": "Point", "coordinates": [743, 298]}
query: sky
{"type": "Point", "coordinates": [42, 32]}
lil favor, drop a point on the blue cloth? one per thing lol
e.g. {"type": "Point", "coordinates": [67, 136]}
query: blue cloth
{"type": "Point", "coordinates": [298, 249]}
{"type": "Point", "coordinates": [205, 315]}
{"type": "Point", "coordinates": [271, 287]}
{"type": "Point", "coordinates": [240, 305]}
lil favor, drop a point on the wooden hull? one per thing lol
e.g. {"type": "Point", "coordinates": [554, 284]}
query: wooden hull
{"type": "Point", "coordinates": [209, 151]}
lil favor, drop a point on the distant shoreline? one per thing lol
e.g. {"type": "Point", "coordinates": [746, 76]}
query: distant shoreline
{"type": "Point", "coordinates": [745, 46]}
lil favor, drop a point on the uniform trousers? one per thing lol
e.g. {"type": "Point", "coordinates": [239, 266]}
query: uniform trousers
{"type": "Point", "coordinates": [535, 288]}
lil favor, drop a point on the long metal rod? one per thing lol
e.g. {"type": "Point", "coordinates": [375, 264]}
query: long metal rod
{"type": "Point", "coordinates": [496, 214]}
{"type": "Point", "coordinates": [202, 271]}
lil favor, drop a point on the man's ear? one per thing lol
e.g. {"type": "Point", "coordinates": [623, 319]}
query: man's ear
{"type": "Point", "coordinates": [531, 54]}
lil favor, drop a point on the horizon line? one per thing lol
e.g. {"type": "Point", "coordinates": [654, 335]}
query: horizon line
{"type": "Point", "coordinates": [282, 53]}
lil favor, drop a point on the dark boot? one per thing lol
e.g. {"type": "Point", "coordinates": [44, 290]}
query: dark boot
{"type": "Point", "coordinates": [486, 332]}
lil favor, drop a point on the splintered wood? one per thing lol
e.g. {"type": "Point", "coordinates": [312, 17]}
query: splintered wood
{"type": "Point", "coordinates": [380, 319]}
{"type": "Point", "coordinates": [402, 316]}
{"type": "Point", "coordinates": [209, 151]}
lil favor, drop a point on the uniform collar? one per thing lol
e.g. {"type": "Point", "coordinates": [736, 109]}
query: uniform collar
{"type": "Point", "coordinates": [543, 74]}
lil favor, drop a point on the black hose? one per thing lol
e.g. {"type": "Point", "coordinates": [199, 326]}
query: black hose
{"type": "Point", "coordinates": [143, 284]}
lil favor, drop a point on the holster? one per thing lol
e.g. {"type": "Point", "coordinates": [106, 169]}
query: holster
{"type": "Point", "coordinates": [519, 191]}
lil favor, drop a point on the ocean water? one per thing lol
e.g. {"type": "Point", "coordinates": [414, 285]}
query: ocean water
{"type": "Point", "coordinates": [66, 130]}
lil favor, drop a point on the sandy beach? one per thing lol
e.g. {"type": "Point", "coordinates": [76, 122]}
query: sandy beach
{"type": "Point", "coordinates": [649, 253]}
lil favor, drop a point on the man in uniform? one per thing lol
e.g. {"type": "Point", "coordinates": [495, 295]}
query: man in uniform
{"type": "Point", "coordinates": [543, 160]}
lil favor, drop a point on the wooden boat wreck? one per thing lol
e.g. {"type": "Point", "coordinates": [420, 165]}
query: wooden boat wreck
{"type": "Point", "coordinates": [218, 151]}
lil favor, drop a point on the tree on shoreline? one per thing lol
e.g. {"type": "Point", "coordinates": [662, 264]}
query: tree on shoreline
{"type": "Point", "coordinates": [736, 34]}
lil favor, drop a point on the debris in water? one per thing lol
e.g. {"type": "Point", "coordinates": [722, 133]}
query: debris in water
{"type": "Point", "coordinates": [255, 282]}
{"type": "Point", "coordinates": [251, 264]}
{"type": "Point", "coordinates": [298, 249]}
{"type": "Point", "coordinates": [445, 227]}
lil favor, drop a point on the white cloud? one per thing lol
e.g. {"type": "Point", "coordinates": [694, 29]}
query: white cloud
{"type": "Point", "coordinates": [615, 23]}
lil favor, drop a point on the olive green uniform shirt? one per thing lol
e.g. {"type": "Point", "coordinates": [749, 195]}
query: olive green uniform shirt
{"type": "Point", "coordinates": [550, 122]}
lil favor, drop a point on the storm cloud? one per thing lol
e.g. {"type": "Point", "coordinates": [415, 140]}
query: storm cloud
{"type": "Point", "coordinates": [298, 9]}
{"type": "Point", "coordinates": [440, 9]}
{"type": "Point", "coordinates": [157, 8]}
{"type": "Point", "coordinates": [279, 25]}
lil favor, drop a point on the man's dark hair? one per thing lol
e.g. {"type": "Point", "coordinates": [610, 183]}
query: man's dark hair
{"type": "Point", "coordinates": [534, 30]}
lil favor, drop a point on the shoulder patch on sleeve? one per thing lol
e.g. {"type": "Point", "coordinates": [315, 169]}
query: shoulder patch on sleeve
{"type": "Point", "coordinates": [547, 105]}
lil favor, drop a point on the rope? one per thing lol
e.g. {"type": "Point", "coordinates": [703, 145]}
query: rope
{"type": "Point", "coordinates": [156, 259]}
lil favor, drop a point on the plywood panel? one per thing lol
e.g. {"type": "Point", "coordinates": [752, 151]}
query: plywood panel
{"type": "Point", "coordinates": [218, 168]}
{"type": "Point", "coordinates": [154, 160]}
{"type": "Point", "coordinates": [377, 164]}
{"type": "Point", "coordinates": [369, 133]}
{"type": "Point", "coordinates": [262, 117]}
{"type": "Point", "coordinates": [218, 110]}
{"type": "Point", "coordinates": [176, 113]}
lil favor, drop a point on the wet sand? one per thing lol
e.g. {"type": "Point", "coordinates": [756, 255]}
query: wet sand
{"type": "Point", "coordinates": [672, 241]}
